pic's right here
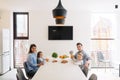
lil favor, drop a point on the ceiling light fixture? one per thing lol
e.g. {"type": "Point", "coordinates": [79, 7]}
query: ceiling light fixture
{"type": "Point", "coordinates": [59, 13]}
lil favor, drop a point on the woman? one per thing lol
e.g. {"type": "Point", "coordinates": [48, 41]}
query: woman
{"type": "Point", "coordinates": [32, 61]}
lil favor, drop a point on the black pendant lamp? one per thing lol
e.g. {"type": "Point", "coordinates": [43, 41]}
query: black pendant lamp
{"type": "Point", "coordinates": [59, 13]}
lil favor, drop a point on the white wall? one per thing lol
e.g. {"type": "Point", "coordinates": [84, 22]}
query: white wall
{"type": "Point", "coordinates": [41, 17]}
{"type": "Point", "coordinates": [5, 22]}
{"type": "Point", "coordinates": [39, 22]}
{"type": "Point", "coordinates": [118, 34]}
{"type": "Point", "coordinates": [38, 30]}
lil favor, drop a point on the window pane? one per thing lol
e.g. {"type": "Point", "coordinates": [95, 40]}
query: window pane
{"type": "Point", "coordinates": [103, 25]}
{"type": "Point", "coordinates": [22, 26]}
{"type": "Point", "coordinates": [103, 35]}
{"type": "Point", "coordinates": [21, 37]}
{"type": "Point", "coordinates": [20, 52]}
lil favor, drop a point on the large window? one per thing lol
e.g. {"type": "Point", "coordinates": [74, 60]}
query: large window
{"type": "Point", "coordinates": [21, 36]}
{"type": "Point", "coordinates": [103, 35]}
{"type": "Point", "coordinates": [21, 25]}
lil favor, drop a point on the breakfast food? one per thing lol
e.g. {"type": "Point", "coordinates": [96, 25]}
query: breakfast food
{"type": "Point", "coordinates": [64, 61]}
{"type": "Point", "coordinates": [54, 61]}
{"type": "Point", "coordinates": [63, 56]}
{"type": "Point", "coordinates": [54, 55]}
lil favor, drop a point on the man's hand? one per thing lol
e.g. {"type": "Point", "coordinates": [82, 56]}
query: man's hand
{"type": "Point", "coordinates": [72, 56]}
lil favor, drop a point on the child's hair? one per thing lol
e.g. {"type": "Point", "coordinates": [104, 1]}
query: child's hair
{"type": "Point", "coordinates": [38, 54]}
{"type": "Point", "coordinates": [80, 53]}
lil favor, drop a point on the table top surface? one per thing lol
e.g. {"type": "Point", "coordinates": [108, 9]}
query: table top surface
{"type": "Point", "coordinates": [59, 71]}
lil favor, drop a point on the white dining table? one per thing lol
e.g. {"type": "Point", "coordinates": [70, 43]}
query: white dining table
{"type": "Point", "coordinates": [59, 71]}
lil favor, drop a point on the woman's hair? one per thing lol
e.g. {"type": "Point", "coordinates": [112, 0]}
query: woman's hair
{"type": "Point", "coordinates": [38, 54]}
{"type": "Point", "coordinates": [31, 46]}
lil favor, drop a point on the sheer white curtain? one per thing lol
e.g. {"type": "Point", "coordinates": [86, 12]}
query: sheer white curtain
{"type": "Point", "coordinates": [103, 37]}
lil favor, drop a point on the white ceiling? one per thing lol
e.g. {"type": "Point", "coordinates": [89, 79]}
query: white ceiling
{"type": "Point", "coordinates": [68, 4]}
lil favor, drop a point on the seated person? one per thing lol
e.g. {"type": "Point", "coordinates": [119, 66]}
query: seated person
{"type": "Point", "coordinates": [40, 58]}
{"type": "Point", "coordinates": [86, 58]}
{"type": "Point", "coordinates": [32, 61]}
{"type": "Point", "coordinates": [79, 58]}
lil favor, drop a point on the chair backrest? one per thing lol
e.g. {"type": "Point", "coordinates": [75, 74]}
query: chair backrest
{"type": "Point", "coordinates": [20, 74]}
{"type": "Point", "coordinates": [100, 56]}
{"type": "Point", "coordinates": [17, 76]}
{"type": "Point", "coordinates": [93, 77]}
{"type": "Point", "coordinates": [26, 67]}
{"type": "Point", "coordinates": [26, 70]}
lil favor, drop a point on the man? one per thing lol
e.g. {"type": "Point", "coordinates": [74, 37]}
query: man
{"type": "Point", "coordinates": [86, 58]}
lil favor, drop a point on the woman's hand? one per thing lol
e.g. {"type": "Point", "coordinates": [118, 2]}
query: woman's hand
{"type": "Point", "coordinates": [40, 64]}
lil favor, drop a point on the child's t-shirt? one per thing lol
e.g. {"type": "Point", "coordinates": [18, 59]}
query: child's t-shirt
{"type": "Point", "coordinates": [39, 60]}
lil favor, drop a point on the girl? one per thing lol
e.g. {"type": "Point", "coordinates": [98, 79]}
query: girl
{"type": "Point", "coordinates": [40, 58]}
{"type": "Point", "coordinates": [79, 59]}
